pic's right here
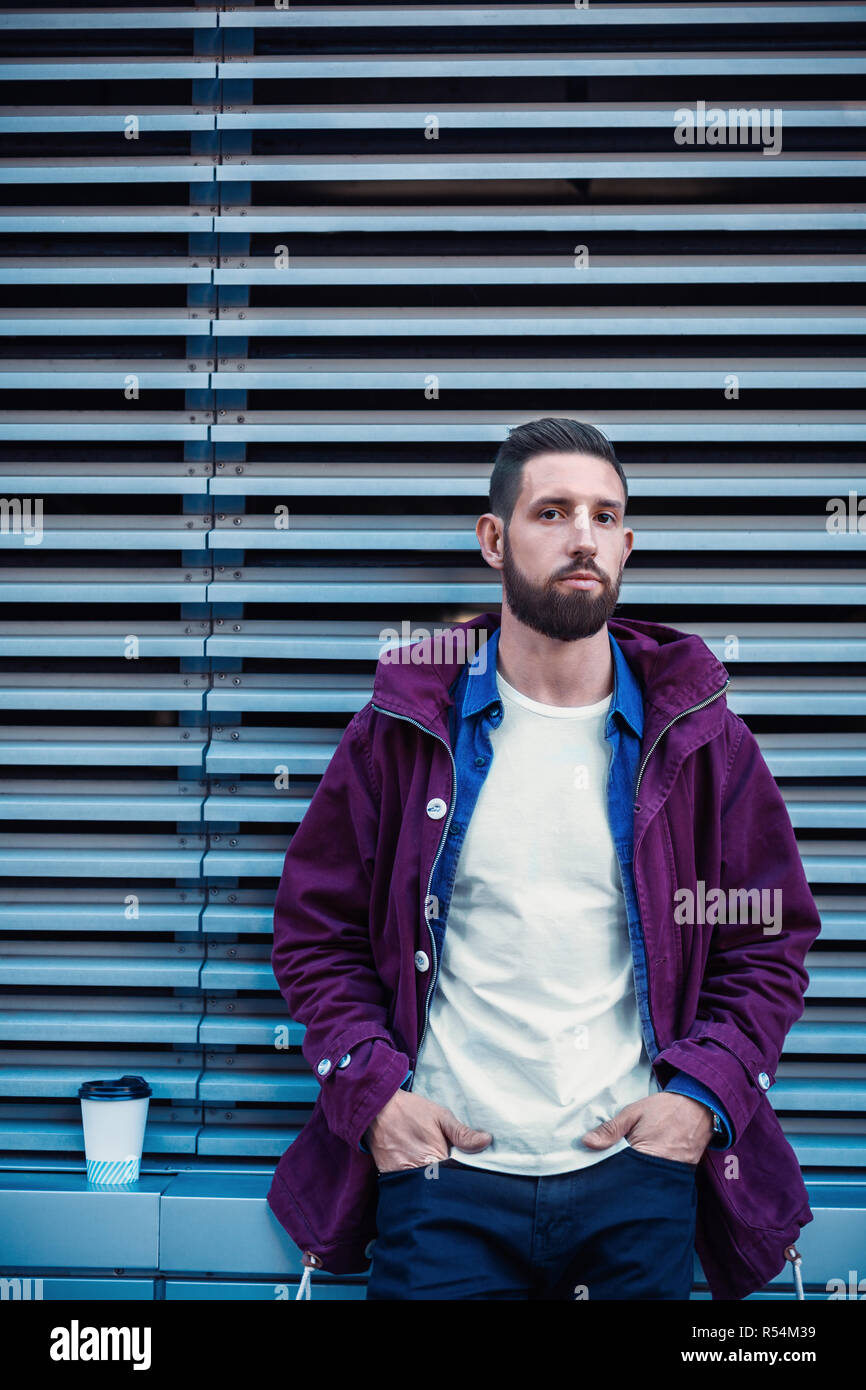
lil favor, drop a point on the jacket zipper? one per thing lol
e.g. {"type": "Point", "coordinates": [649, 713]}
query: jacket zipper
{"type": "Point", "coordinates": [435, 968]}
{"type": "Point", "coordinates": [692, 710]}
{"type": "Point", "coordinates": [681, 715]}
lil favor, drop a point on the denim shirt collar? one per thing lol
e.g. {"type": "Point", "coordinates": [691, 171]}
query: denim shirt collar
{"type": "Point", "coordinates": [481, 689]}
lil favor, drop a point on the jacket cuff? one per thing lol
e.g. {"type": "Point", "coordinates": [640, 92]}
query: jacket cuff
{"type": "Point", "coordinates": [727, 1062]}
{"type": "Point", "coordinates": [351, 1099]}
{"type": "Point", "coordinates": [686, 1085]}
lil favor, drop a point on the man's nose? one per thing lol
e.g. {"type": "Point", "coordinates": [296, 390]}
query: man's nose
{"type": "Point", "coordinates": [581, 530]}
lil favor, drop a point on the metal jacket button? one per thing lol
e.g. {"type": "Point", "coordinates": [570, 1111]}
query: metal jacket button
{"type": "Point", "coordinates": [764, 1080]}
{"type": "Point", "coordinates": [324, 1067]}
{"type": "Point", "coordinates": [422, 961]}
{"type": "Point", "coordinates": [345, 1059]}
{"type": "Point", "coordinates": [436, 808]}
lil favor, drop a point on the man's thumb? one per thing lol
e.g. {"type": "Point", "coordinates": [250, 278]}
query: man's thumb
{"type": "Point", "coordinates": [605, 1134]}
{"type": "Point", "coordinates": [463, 1136]}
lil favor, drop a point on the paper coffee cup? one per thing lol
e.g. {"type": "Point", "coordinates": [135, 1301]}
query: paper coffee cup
{"type": "Point", "coordinates": [114, 1114]}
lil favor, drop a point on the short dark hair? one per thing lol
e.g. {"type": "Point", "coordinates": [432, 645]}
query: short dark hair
{"type": "Point", "coordinates": [548, 435]}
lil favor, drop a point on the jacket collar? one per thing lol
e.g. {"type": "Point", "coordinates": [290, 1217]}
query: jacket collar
{"type": "Point", "coordinates": [480, 688]}
{"type": "Point", "coordinates": [674, 670]}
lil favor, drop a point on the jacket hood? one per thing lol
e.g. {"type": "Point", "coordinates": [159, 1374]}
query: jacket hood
{"type": "Point", "coordinates": [676, 669]}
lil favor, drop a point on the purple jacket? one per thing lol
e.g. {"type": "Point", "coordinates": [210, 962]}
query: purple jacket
{"type": "Point", "coordinates": [350, 917]}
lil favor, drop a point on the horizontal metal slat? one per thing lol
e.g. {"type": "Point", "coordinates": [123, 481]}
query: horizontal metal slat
{"type": "Point", "coordinates": [35, 1074]}
{"type": "Point", "coordinates": [101, 856]}
{"type": "Point", "coordinates": [113, 70]}
{"type": "Point", "coordinates": [332, 642]}
{"type": "Point", "coordinates": [347, 67]}
{"type": "Point", "coordinates": [48, 585]}
{"type": "Point", "coordinates": [647, 587]}
{"type": "Point", "coordinates": [102, 693]}
{"type": "Point", "coordinates": [109, 965]}
{"type": "Point", "coordinates": [721, 217]}
{"type": "Point", "coordinates": [134, 909]}
{"type": "Point", "coordinates": [508, 321]}
{"type": "Point", "coordinates": [93, 801]}
{"type": "Point", "coordinates": [119, 479]}
{"type": "Point", "coordinates": [111, 639]}
{"type": "Point", "coordinates": [125, 172]}
{"type": "Point", "coordinates": [107, 219]}
{"type": "Point", "coordinates": [494, 374]}
{"type": "Point", "coordinates": [535, 270]}
{"type": "Point", "coordinates": [71, 746]}
{"type": "Point", "coordinates": [516, 168]}
{"type": "Point", "coordinates": [104, 320]}
{"type": "Point", "coordinates": [99, 1018]}
{"type": "Point", "coordinates": [31, 1132]}
{"type": "Point", "coordinates": [370, 531]}
{"type": "Point", "coordinates": [545, 16]}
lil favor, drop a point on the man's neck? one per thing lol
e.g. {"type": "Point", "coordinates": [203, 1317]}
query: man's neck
{"type": "Point", "coordinates": [551, 671]}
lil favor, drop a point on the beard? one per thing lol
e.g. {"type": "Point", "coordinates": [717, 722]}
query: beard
{"type": "Point", "coordinates": [563, 614]}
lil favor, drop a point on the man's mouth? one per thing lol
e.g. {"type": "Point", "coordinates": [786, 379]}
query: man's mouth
{"type": "Point", "coordinates": [581, 580]}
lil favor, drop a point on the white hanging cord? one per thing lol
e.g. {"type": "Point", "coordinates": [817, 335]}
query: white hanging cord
{"type": "Point", "coordinates": [793, 1254]}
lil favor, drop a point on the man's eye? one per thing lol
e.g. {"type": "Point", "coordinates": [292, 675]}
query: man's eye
{"type": "Point", "coordinates": [609, 515]}
{"type": "Point", "coordinates": [550, 511]}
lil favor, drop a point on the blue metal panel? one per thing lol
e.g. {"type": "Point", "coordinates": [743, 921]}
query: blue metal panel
{"type": "Point", "coordinates": [56, 1221]}
{"type": "Point", "coordinates": [215, 1224]}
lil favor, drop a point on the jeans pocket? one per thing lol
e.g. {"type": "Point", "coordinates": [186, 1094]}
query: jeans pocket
{"type": "Point", "coordinates": [392, 1173]}
{"type": "Point", "coordinates": [674, 1165]}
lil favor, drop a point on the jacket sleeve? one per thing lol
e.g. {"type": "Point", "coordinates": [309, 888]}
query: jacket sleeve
{"type": "Point", "coordinates": [322, 957]}
{"type": "Point", "coordinates": [754, 980]}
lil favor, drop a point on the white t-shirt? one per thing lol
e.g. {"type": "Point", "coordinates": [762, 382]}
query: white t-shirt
{"type": "Point", "coordinates": [533, 1032]}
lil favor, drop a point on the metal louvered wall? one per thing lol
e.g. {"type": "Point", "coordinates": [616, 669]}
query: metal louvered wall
{"type": "Point", "coordinates": [306, 262]}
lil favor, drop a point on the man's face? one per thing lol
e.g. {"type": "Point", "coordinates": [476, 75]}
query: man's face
{"type": "Point", "coordinates": [568, 519]}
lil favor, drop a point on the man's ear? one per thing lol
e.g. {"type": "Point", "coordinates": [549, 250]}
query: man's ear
{"type": "Point", "coordinates": [491, 539]}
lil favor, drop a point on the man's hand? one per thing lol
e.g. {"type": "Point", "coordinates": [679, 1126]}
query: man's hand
{"type": "Point", "coordinates": [667, 1124]}
{"type": "Point", "coordinates": [411, 1131]}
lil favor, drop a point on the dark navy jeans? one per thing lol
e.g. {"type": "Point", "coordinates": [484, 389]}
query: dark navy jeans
{"type": "Point", "coordinates": [623, 1227]}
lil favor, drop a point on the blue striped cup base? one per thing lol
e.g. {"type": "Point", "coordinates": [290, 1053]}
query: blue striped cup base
{"type": "Point", "coordinates": [112, 1172]}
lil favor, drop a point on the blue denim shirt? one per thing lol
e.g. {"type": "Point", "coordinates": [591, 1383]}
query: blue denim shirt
{"type": "Point", "coordinates": [477, 707]}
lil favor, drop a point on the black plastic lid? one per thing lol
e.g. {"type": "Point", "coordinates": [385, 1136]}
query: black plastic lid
{"type": "Point", "coordinates": [123, 1088]}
